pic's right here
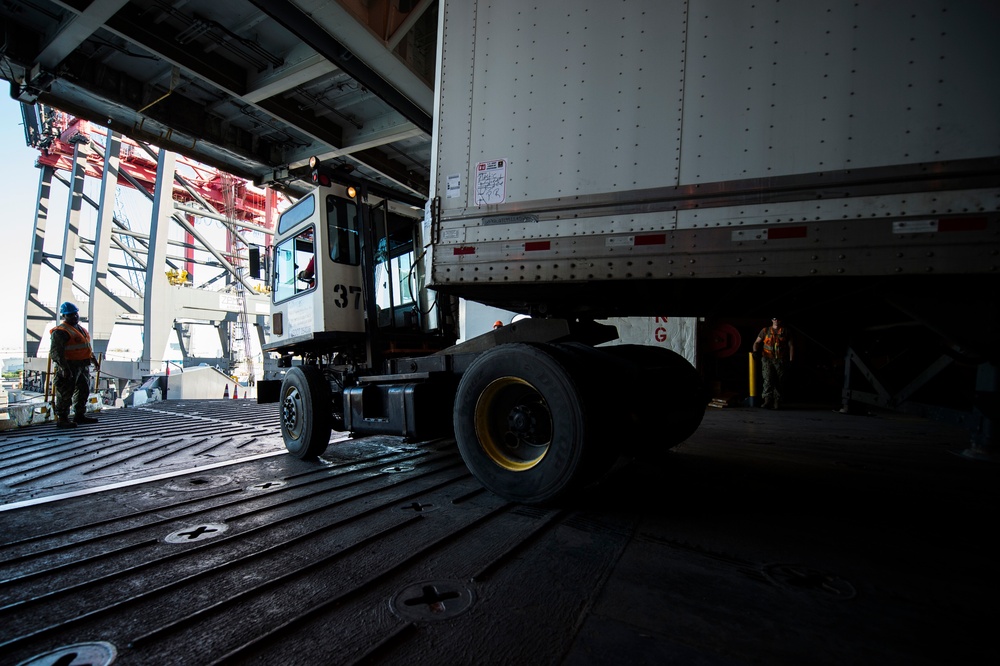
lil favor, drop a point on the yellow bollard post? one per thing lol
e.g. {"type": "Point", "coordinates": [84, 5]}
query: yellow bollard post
{"type": "Point", "coordinates": [754, 390]}
{"type": "Point", "coordinates": [45, 400]}
{"type": "Point", "coordinates": [97, 378]}
{"type": "Point", "coordinates": [48, 374]}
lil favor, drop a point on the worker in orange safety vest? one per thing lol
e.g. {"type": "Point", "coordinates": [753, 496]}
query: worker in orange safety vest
{"type": "Point", "coordinates": [776, 350]}
{"type": "Point", "coordinates": [71, 353]}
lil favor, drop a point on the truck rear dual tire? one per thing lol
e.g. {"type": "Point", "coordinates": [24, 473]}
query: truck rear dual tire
{"type": "Point", "coordinates": [526, 425]}
{"type": "Point", "coordinates": [306, 417]}
{"type": "Point", "coordinates": [668, 401]}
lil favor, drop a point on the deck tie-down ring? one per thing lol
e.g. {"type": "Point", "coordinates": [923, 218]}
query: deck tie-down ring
{"type": "Point", "coordinates": [432, 600]}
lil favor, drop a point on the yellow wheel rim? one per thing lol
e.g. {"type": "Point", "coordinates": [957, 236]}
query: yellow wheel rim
{"type": "Point", "coordinates": [513, 423]}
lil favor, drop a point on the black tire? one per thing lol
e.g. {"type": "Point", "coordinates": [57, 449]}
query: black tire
{"type": "Point", "coordinates": [522, 424]}
{"type": "Point", "coordinates": [305, 412]}
{"type": "Point", "coordinates": [668, 400]}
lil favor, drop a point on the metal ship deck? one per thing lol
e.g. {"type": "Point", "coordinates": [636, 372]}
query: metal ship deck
{"type": "Point", "coordinates": [181, 533]}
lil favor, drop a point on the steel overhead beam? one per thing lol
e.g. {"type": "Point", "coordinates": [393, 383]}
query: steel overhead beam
{"type": "Point", "coordinates": [386, 128]}
{"type": "Point", "coordinates": [180, 134]}
{"type": "Point", "coordinates": [361, 141]}
{"type": "Point", "coordinates": [408, 23]}
{"type": "Point", "coordinates": [180, 124]}
{"type": "Point", "coordinates": [133, 25]}
{"type": "Point", "coordinates": [225, 75]}
{"type": "Point", "coordinates": [77, 30]}
{"type": "Point", "coordinates": [394, 170]}
{"type": "Point", "coordinates": [294, 74]}
{"type": "Point", "coordinates": [287, 111]}
{"type": "Point", "coordinates": [303, 26]}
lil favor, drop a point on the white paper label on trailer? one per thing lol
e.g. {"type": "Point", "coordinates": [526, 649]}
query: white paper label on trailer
{"type": "Point", "coordinates": [454, 187]}
{"type": "Point", "coordinates": [491, 182]}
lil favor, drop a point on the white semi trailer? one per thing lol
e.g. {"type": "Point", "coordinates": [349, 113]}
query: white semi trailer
{"type": "Point", "coordinates": [597, 159]}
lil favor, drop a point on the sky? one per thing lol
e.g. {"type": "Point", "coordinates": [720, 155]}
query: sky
{"type": "Point", "coordinates": [19, 189]}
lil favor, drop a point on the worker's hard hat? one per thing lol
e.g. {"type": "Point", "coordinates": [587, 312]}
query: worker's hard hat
{"type": "Point", "coordinates": [497, 324]}
{"type": "Point", "coordinates": [67, 308]}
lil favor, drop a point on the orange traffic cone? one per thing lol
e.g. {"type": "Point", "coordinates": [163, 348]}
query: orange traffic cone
{"type": "Point", "coordinates": [236, 391]}
{"type": "Point", "coordinates": [226, 394]}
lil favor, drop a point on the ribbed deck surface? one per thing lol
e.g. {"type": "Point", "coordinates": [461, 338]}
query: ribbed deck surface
{"type": "Point", "coordinates": [801, 536]}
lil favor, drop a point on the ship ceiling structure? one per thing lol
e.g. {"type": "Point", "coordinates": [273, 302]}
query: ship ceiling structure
{"type": "Point", "coordinates": [253, 88]}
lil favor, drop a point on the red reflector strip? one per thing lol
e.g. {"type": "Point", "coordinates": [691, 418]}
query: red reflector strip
{"type": "Point", "coordinates": [775, 233]}
{"type": "Point", "coordinates": [652, 239]}
{"type": "Point", "coordinates": [465, 250]}
{"type": "Point", "coordinates": [537, 245]}
{"type": "Point", "coordinates": [962, 224]}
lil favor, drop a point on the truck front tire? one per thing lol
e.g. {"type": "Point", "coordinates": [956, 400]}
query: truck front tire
{"type": "Point", "coordinates": [305, 412]}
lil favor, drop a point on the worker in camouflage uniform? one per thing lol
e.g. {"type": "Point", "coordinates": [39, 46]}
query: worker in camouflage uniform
{"type": "Point", "coordinates": [71, 354]}
{"type": "Point", "coordinates": [775, 349]}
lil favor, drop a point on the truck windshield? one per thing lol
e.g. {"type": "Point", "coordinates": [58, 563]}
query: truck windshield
{"type": "Point", "coordinates": [294, 265]}
{"type": "Point", "coordinates": [300, 212]}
